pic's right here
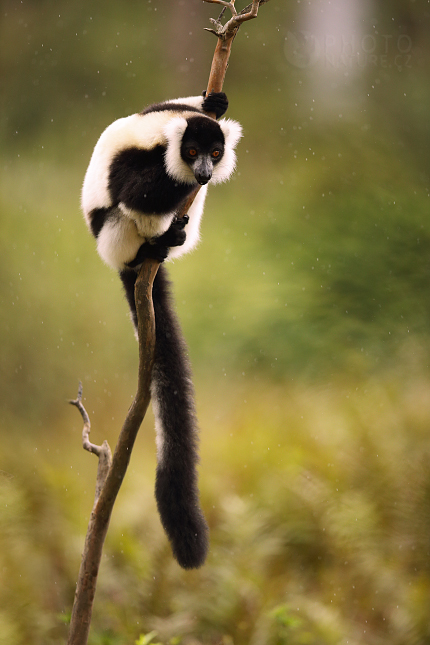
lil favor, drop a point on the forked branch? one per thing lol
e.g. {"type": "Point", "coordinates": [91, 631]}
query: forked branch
{"type": "Point", "coordinates": [231, 26]}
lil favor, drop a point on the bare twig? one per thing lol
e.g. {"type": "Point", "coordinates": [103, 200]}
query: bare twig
{"type": "Point", "coordinates": [249, 6]}
{"type": "Point", "coordinates": [86, 443]}
{"type": "Point", "coordinates": [113, 468]}
{"type": "Point", "coordinates": [103, 452]}
{"type": "Point", "coordinates": [230, 28]}
{"type": "Point", "coordinates": [230, 5]}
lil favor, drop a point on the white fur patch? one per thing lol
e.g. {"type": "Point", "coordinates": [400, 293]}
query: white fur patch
{"type": "Point", "coordinates": [159, 430]}
{"type": "Point", "coordinates": [192, 101]}
{"type": "Point", "coordinates": [148, 226]}
{"type": "Point", "coordinates": [175, 165]}
{"type": "Point", "coordinates": [232, 131]}
{"type": "Point", "coordinates": [192, 229]}
{"type": "Point", "coordinates": [118, 241]}
{"type": "Point", "coordinates": [124, 232]}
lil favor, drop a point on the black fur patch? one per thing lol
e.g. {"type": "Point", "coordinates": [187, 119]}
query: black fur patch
{"type": "Point", "coordinates": [204, 131]}
{"type": "Point", "coordinates": [173, 107]}
{"type": "Point", "coordinates": [98, 218]}
{"type": "Point", "coordinates": [128, 278]}
{"type": "Point", "coordinates": [138, 178]}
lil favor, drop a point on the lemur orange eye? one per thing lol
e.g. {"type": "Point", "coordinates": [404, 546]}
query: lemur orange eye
{"type": "Point", "coordinates": [216, 154]}
{"type": "Point", "coordinates": [192, 152]}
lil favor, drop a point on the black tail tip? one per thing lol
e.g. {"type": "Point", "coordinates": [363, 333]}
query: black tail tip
{"type": "Point", "coordinates": [181, 516]}
{"type": "Point", "coordinates": [191, 551]}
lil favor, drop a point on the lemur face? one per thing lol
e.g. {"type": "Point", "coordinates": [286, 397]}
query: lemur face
{"type": "Point", "coordinates": [202, 147]}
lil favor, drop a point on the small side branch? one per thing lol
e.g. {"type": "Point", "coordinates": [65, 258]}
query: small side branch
{"type": "Point", "coordinates": [103, 452]}
{"type": "Point", "coordinates": [86, 443]}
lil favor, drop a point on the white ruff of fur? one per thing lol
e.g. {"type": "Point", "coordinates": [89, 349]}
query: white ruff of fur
{"type": "Point", "coordinates": [175, 165]}
{"type": "Point", "coordinates": [232, 131]}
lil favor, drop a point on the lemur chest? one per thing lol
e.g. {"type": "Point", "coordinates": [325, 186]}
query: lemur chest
{"type": "Point", "coordinates": [148, 226]}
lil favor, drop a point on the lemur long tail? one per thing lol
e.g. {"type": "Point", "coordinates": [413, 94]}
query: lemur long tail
{"type": "Point", "coordinates": [176, 489]}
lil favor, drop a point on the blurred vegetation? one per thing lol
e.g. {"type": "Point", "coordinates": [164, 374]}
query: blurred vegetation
{"type": "Point", "coordinates": [306, 309]}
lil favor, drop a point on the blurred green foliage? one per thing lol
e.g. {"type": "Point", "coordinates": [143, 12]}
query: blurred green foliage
{"type": "Point", "coordinates": [306, 309]}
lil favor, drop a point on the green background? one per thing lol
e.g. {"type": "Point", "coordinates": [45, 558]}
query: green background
{"type": "Point", "coordinates": [306, 310]}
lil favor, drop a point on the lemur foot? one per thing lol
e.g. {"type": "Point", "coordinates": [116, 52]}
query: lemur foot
{"type": "Point", "coordinates": [146, 250]}
{"type": "Point", "coordinates": [215, 102]}
{"type": "Point", "coordinates": [181, 222]}
{"type": "Point", "coordinates": [175, 235]}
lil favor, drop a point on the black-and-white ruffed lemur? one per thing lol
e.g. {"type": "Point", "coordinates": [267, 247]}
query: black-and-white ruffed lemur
{"type": "Point", "coordinates": [143, 169]}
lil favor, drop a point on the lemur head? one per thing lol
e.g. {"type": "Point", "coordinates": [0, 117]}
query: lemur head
{"type": "Point", "coordinates": [200, 149]}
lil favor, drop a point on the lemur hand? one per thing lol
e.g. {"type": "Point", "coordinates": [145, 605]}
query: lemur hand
{"type": "Point", "coordinates": [215, 102]}
{"type": "Point", "coordinates": [147, 250]}
{"type": "Point", "coordinates": [158, 249]}
{"type": "Point", "coordinates": [181, 222]}
{"type": "Point", "coordinates": [175, 235]}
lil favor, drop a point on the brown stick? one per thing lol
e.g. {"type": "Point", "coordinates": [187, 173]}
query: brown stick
{"type": "Point", "coordinates": [111, 471]}
{"type": "Point", "coordinates": [219, 65]}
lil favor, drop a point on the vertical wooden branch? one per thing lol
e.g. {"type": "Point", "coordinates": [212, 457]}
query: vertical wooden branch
{"type": "Point", "coordinates": [112, 470]}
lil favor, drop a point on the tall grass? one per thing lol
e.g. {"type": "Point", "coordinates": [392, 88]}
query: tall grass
{"type": "Point", "coordinates": [318, 504]}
